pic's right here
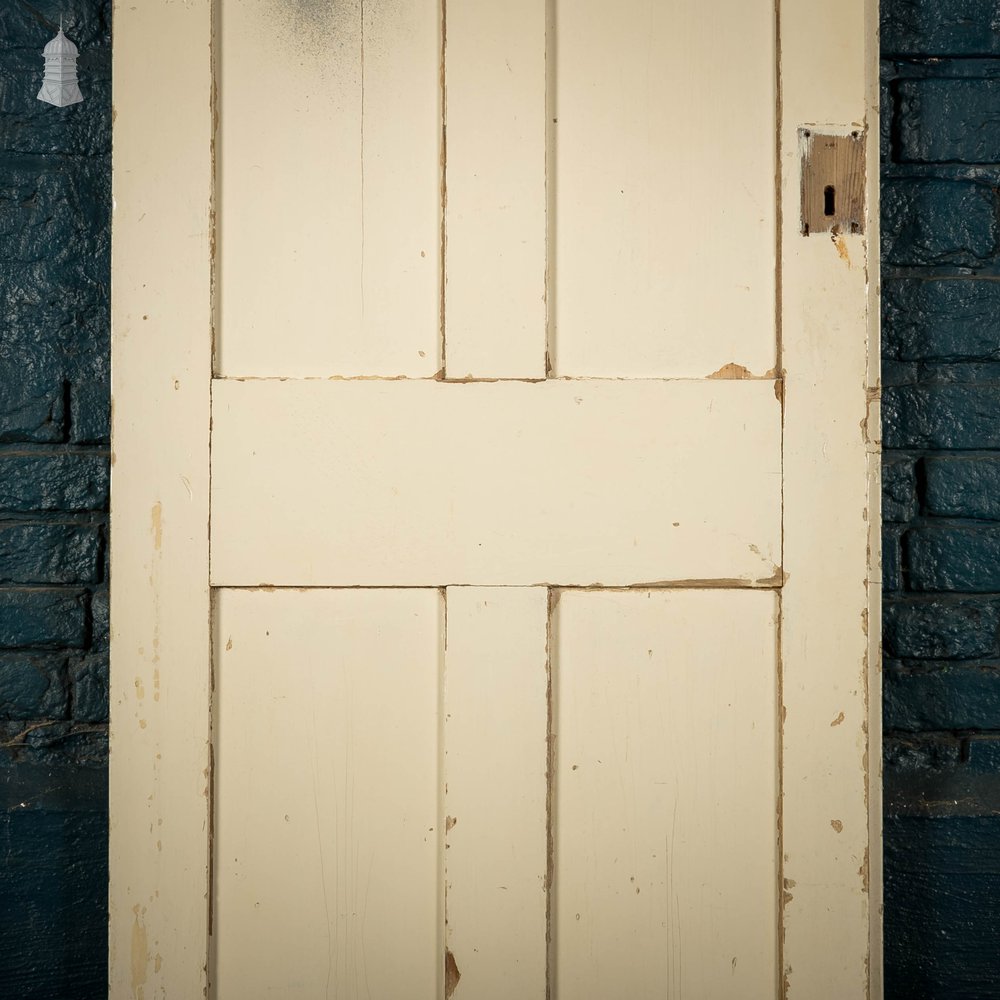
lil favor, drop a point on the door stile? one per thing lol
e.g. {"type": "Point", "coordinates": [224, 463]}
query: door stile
{"type": "Point", "coordinates": [161, 378]}
{"type": "Point", "coordinates": [830, 691]}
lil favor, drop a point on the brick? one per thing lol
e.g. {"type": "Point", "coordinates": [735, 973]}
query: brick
{"type": "Point", "coordinates": [945, 696]}
{"type": "Point", "coordinates": [899, 490]}
{"type": "Point", "coordinates": [100, 623]}
{"type": "Point", "coordinates": [63, 481]}
{"type": "Point", "coordinates": [936, 28]}
{"type": "Point", "coordinates": [49, 553]}
{"type": "Point", "coordinates": [941, 773]}
{"type": "Point", "coordinates": [957, 486]}
{"type": "Point", "coordinates": [89, 680]}
{"type": "Point", "coordinates": [44, 618]}
{"type": "Point", "coordinates": [31, 409]}
{"type": "Point", "coordinates": [33, 687]}
{"type": "Point", "coordinates": [892, 559]}
{"type": "Point", "coordinates": [950, 319]}
{"type": "Point", "coordinates": [54, 211]}
{"type": "Point", "coordinates": [56, 314]}
{"type": "Point", "coordinates": [954, 557]}
{"type": "Point", "coordinates": [949, 121]}
{"type": "Point", "coordinates": [91, 412]}
{"type": "Point", "coordinates": [936, 222]}
{"type": "Point", "coordinates": [941, 416]}
{"type": "Point", "coordinates": [940, 628]}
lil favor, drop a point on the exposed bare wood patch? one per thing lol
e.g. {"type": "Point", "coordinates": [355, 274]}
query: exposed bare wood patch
{"type": "Point", "coordinates": [451, 974]}
{"type": "Point", "coordinates": [732, 370]}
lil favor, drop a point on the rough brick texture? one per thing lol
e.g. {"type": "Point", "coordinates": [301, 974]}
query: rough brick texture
{"type": "Point", "coordinates": [927, 222]}
{"type": "Point", "coordinates": [54, 433]}
{"type": "Point", "coordinates": [945, 319]}
{"type": "Point", "coordinates": [936, 28]}
{"type": "Point", "coordinates": [948, 120]}
{"type": "Point", "coordinates": [940, 141]}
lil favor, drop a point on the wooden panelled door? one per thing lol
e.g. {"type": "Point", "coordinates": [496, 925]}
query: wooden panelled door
{"type": "Point", "coordinates": [491, 503]}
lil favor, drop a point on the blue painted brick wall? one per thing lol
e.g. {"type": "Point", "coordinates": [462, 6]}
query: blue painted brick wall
{"type": "Point", "coordinates": [54, 399]}
{"type": "Point", "coordinates": [941, 496]}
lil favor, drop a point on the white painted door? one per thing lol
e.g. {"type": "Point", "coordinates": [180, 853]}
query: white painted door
{"type": "Point", "coordinates": [491, 504]}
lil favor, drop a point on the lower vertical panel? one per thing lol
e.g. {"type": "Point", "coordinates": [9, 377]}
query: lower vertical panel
{"type": "Point", "coordinates": [327, 794]}
{"type": "Point", "coordinates": [666, 787]}
{"type": "Point", "coordinates": [495, 761]}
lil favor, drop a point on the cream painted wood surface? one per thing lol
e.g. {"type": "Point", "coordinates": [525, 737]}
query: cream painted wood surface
{"type": "Point", "coordinates": [663, 187]}
{"type": "Point", "coordinates": [329, 190]}
{"type": "Point", "coordinates": [327, 794]}
{"type": "Point", "coordinates": [416, 483]}
{"type": "Point", "coordinates": [496, 729]}
{"type": "Point", "coordinates": [665, 843]}
{"type": "Point", "coordinates": [161, 372]}
{"type": "Point", "coordinates": [495, 180]}
{"type": "Point", "coordinates": [671, 570]}
{"type": "Point", "coordinates": [831, 691]}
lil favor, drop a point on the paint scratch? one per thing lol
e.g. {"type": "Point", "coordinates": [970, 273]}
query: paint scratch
{"type": "Point", "coordinates": [140, 955]}
{"type": "Point", "coordinates": [156, 525]}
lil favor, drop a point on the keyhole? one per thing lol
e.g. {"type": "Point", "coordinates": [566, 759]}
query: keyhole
{"type": "Point", "coordinates": [829, 198]}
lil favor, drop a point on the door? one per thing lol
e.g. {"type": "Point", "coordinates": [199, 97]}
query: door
{"type": "Point", "coordinates": [492, 502]}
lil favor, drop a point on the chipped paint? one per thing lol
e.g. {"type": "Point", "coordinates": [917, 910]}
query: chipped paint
{"type": "Point", "coordinates": [841, 244]}
{"type": "Point", "coordinates": [140, 953]}
{"type": "Point", "coordinates": [156, 525]}
{"type": "Point", "coordinates": [837, 825]}
{"type": "Point", "coordinates": [837, 721]}
{"type": "Point", "coordinates": [451, 974]}
{"type": "Point", "coordinates": [732, 370]}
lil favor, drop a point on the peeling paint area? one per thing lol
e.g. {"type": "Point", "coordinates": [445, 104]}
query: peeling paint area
{"type": "Point", "coordinates": [140, 953]}
{"type": "Point", "coordinates": [451, 974]}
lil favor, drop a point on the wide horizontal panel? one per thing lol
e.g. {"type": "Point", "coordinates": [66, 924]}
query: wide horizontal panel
{"type": "Point", "coordinates": [329, 188]}
{"type": "Point", "coordinates": [664, 190]}
{"type": "Point", "coordinates": [420, 482]}
{"type": "Point", "coordinates": [666, 792]}
{"type": "Point", "coordinates": [327, 837]}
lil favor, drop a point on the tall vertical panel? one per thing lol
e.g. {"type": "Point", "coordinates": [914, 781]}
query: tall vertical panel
{"type": "Point", "coordinates": [160, 646]}
{"type": "Point", "coordinates": [664, 205]}
{"type": "Point", "coordinates": [329, 188]}
{"type": "Point", "coordinates": [327, 794]}
{"type": "Point", "coordinates": [831, 694]}
{"type": "Point", "coordinates": [495, 772]}
{"type": "Point", "coordinates": [496, 213]}
{"type": "Point", "coordinates": [666, 792]}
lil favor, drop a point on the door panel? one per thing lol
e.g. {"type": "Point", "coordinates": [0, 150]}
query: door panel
{"type": "Point", "coordinates": [422, 483]}
{"type": "Point", "coordinates": [327, 817]}
{"type": "Point", "coordinates": [495, 209]}
{"type": "Point", "coordinates": [665, 841]}
{"type": "Point", "coordinates": [496, 764]}
{"type": "Point", "coordinates": [663, 188]}
{"type": "Point", "coordinates": [328, 188]}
